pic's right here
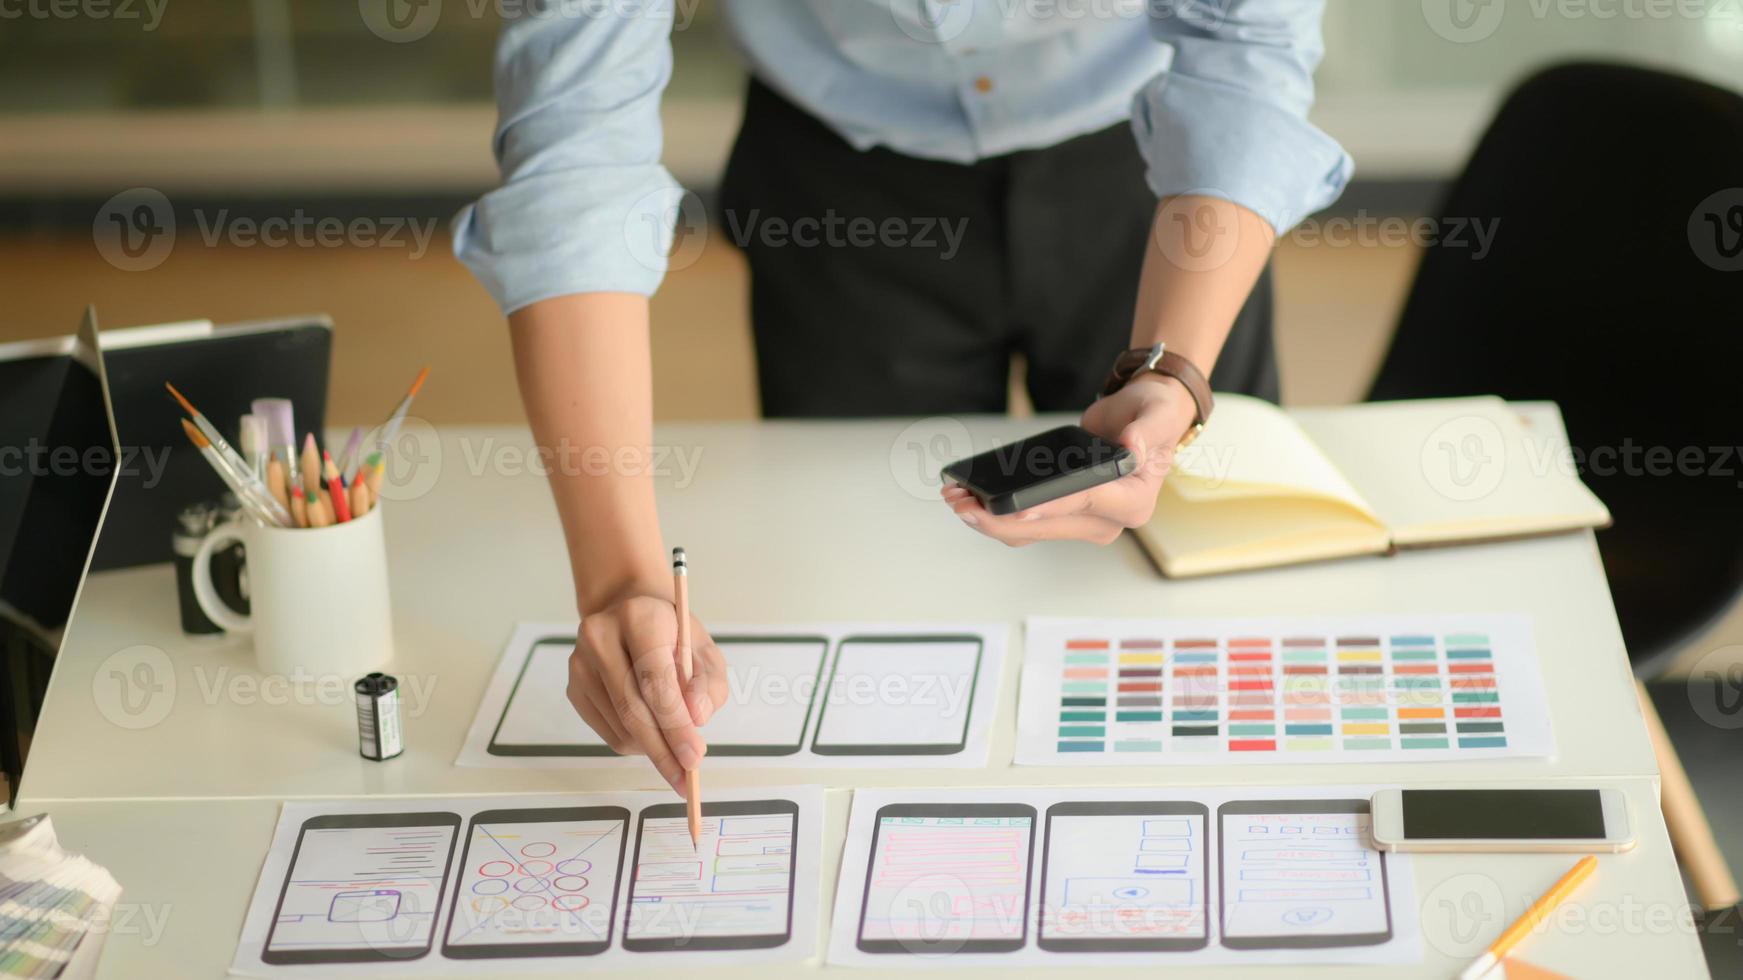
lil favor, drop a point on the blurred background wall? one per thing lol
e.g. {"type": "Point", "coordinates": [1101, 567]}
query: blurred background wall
{"type": "Point", "coordinates": [218, 115]}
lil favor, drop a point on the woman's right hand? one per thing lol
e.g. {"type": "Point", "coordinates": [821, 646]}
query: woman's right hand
{"type": "Point", "coordinates": [624, 682]}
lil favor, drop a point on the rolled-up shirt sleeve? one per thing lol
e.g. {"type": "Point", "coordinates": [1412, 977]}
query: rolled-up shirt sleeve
{"type": "Point", "coordinates": [584, 205]}
{"type": "Point", "coordinates": [1228, 118]}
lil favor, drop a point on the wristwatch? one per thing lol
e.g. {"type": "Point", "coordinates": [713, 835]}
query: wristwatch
{"type": "Point", "coordinates": [1169, 364]}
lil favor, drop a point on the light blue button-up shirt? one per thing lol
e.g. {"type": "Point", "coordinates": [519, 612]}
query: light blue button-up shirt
{"type": "Point", "coordinates": [1217, 92]}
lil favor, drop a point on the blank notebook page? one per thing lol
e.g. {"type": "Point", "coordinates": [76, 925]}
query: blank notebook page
{"type": "Point", "coordinates": [1252, 449]}
{"type": "Point", "coordinates": [1450, 469]}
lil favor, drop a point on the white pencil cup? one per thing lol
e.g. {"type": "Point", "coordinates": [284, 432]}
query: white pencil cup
{"type": "Point", "coordinates": [318, 597]}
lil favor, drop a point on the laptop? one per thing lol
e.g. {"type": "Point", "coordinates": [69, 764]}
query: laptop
{"type": "Point", "coordinates": [58, 447]}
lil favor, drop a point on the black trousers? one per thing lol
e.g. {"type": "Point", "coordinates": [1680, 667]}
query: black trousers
{"type": "Point", "coordinates": [883, 284]}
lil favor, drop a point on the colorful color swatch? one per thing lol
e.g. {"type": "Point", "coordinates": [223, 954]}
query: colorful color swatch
{"type": "Point", "coordinates": [1112, 691]}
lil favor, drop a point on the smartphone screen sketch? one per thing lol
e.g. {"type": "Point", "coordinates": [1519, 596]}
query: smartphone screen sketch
{"type": "Point", "coordinates": [899, 695]}
{"type": "Point", "coordinates": [772, 682]}
{"type": "Point", "coordinates": [776, 676]}
{"type": "Point", "coordinates": [1300, 874]}
{"type": "Point", "coordinates": [362, 887]}
{"type": "Point", "coordinates": [947, 878]}
{"type": "Point", "coordinates": [537, 882]}
{"type": "Point", "coordinates": [537, 719]}
{"type": "Point", "coordinates": [731, 890]}
{"type": "Point", "coordinates": [1130, 876]}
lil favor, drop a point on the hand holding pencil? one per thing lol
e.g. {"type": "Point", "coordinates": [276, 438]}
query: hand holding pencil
{"type": "Point", "coordinates": [624, 681]}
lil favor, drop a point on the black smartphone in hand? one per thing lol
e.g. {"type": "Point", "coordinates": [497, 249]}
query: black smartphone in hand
{"type": "Point", "coordinates": [1044, 467]}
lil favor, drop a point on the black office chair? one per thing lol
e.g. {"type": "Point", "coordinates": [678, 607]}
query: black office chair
{"type": "Point", "coordinates": [1606, 290]}
{"type": "Point", "coordinates": [1614, 287]}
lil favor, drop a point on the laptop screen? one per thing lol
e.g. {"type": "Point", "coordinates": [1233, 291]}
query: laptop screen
{"type": "Point", "coordinates": [57, 462]}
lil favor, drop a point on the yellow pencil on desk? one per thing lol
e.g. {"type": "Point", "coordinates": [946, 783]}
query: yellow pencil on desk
{"type": "Point", "coordinates": [1539, 910]}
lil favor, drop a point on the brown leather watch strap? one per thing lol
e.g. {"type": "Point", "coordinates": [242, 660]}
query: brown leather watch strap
{"type": "Point", "coordinates": [1164, 362]}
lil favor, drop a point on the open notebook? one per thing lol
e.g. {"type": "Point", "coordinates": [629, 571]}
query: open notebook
{"type": "Point", "coordinates": [1267, 486]}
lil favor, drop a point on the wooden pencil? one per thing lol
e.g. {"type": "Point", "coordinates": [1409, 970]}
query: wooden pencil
{"type": "Point", "coordinates": [277, 484]}
{"type": "Point", "coordinates": [686, 670]}
{"type": "Point", "coordinates": [359, 499]}
{"type": "Point", "coordinates": [311, 465]}
{"type": "Point", "coordinates": [335, 489]}
{"type": "Point", "coordinates": [373, 470]}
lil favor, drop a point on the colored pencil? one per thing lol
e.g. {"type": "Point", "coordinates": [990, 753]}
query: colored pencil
{"type": "Point", "coordinates": [276, 483]}
{"type": "Point", "coordinates": [335, 489]}
{"type": "Point", "coordinates": [311, 465]}
{"type": "Point", "coordinates": [349, 458]}
{"type": "Point", "coordinates": [1539, 910]}
{"type": "Point", "coordinates": [299, 506]}
{"type": "Point", "coordinates": [359, 499]}
{"type": "Point", "coordinates": [374, 467]}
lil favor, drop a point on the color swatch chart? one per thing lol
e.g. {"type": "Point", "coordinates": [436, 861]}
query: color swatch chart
{"type": "Point", "coordinates": [1113, 692]}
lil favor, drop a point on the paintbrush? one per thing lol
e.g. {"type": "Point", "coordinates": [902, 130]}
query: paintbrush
{"type": "Point", "coordinates": [390, 428]}
{"type": "Point", "coordinates": [243, 481]}
{"type": "Point", "coordinates": [250, 503]}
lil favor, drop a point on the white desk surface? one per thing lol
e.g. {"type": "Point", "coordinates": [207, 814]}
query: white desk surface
{"type": "Point", "coordinates": [190, 867]}
{"type": "Point", "coordinates": [783, 522]}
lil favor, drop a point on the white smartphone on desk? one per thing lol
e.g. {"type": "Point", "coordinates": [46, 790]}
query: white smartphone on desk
{"type": "Point", "coordinates": [1477, 820]}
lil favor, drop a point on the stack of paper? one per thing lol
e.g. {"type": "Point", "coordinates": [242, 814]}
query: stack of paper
{"type": "Point", "coordinates": [51, 903]}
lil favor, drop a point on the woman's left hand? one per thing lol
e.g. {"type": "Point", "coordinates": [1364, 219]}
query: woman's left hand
{"type": "Point", "coordinates": [1148, 416]}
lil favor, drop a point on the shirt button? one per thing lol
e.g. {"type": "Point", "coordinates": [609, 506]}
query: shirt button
{"type": "Point", "coordinates": [983, 85]}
